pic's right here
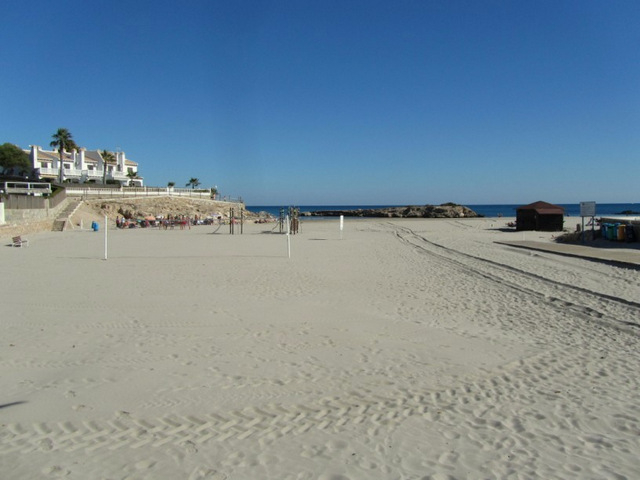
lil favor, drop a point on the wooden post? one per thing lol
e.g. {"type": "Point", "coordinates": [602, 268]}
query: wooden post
{"type": "Point", "coordinates": [280, 220]}
{"type": "Point", "coordinates": [288, 238]}
{"type": "Point", "coordinates": [105, 237]}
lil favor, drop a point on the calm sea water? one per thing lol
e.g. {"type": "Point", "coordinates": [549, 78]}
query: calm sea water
{"type": "Point", "coordinates": [570, 209]}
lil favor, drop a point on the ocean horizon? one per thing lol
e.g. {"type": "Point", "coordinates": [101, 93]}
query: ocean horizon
{"type": "Point", "coordinates": [497, 210]}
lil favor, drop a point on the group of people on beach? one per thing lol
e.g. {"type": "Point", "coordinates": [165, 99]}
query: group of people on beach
{"type": "Point", "coordinates": [168, 223]}
{"type": "Point", "coordinates": [122, 222]}
{"type": "Point", "coordinates": [183, 221]}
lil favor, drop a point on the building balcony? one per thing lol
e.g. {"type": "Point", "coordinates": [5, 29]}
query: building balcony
{"type": "Point", "coordinates": [82, 176]}
{"type": "Point", "coordinates": [68, 172]}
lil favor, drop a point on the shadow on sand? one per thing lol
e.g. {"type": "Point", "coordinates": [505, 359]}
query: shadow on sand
{"type": "Point", "coordinates": [12, 404]}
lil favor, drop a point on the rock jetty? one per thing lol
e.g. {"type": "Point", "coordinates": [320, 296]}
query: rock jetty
{"type": "Point", "coordinates": [153, 206]}
{"type": "Point", "coordinates": [446, 210]}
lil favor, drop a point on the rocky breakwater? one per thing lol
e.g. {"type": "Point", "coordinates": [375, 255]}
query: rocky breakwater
{"type": "Point", "coordinates": [446, 210]}
{"type": "Point", "coordinates": [165, 206]}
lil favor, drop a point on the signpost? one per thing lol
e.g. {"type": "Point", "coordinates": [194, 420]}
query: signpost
{"type": "Point", "coordinates": [588, 209]}
{"type": "Point", "coordinates": [288, 237]}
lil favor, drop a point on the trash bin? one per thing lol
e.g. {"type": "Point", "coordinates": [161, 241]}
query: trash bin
{"type": "Point", "coordinates": [95, 226]}
{"type": "Point", "coordinates": [630, 234]}
{"type": "Point", "coordinates": [622, 228]}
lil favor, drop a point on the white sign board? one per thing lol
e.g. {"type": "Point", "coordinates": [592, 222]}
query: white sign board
{"type": "Point", "coordinates": [587, 209]}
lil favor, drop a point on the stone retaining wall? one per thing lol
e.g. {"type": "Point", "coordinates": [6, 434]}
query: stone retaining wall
{"type": "Point", "coordinates": [24, 221]}
{"type": "Point", "coordinates": [12, 230]}
{"type": "Point", "coordinates": [12, 215]}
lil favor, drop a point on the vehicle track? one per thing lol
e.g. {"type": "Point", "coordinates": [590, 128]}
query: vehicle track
{"type": "Point", "coordinates": [591, 267]}
{"type": "Point", "coordinates": [554, 376]}
{"type": "Point", "coordinates": [380, 415]}
{"type": "Point", "coordinates": [608, 309]}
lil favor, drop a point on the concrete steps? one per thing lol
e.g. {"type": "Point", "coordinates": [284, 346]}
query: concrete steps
{"type": "Point", "coordinates": [58, 225]}
{"type": "Point", "coordinates": [63, 221]}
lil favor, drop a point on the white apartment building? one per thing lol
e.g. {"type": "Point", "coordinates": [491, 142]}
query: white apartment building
{"type": "Point", "coordinates": [82, 166]}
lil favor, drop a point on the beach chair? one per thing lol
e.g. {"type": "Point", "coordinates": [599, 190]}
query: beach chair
{"type": "Point", "coordinates": [19, 241]}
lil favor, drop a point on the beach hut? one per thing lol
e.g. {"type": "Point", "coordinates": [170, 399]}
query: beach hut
{"type": "Point", "coordinates": [541, 216]}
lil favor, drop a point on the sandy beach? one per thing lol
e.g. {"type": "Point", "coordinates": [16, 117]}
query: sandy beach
{"type": "Point", "coordinates": [407, 349]}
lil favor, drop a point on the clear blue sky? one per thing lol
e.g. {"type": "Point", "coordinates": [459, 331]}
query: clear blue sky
{"type": "Point", "coordinates": [339, 102]}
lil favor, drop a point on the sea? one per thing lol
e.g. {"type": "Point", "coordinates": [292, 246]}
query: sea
{"type": "Point", "coordinates": [505, 210]}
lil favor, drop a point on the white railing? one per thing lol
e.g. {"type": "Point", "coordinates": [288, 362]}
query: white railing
{"type": "Point", "coordinates": [117, 176]}
{"type": "Point", "coordinates": [27, 188]}
{"type": "Point", "coordinates": [76, 190]}
{"type": "Point", "coordinates": [92, 173]}
{"type": "Point", "coordinates": [76, 173]}
{"type": "Point", "coordinates": [68, 172]}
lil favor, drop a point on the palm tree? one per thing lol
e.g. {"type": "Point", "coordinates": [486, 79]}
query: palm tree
{"type": "Point", "coordinates": [62, 140]}
{"type": "Point", "coordinates": [131, 174]}
{"type": "Point", "coordinates": [107, 158]}
{"type": "Point", "coordinates": [194, 182]}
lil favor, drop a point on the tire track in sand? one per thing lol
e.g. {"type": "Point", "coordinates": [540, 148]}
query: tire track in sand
{"type": "Point", "coordinates": [587, 303]}
{"type": "Point", "coordinates": [516, 383]}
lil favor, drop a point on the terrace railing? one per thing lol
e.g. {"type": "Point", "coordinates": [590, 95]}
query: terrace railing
{"type": "Point", "coordinates": [32, 202]}
{"type": "Point", "coordinates": [122, 192]}
{"type": "Point", "coordinates": [26, 188]}
{"type": "Point", "coordinates": [74, 173]}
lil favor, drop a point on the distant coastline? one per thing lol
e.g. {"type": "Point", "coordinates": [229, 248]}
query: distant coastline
{"type": "Point", "coordinates": [497, 210]}
{"type": "Point", "coordinates": [449, 210]}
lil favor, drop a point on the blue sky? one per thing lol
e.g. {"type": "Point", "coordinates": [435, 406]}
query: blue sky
{"type": "Point", "coordinates": [339, 102]}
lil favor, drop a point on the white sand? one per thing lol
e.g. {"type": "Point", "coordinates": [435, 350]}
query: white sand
{"type": "Point", "coordinates": [410, 349]}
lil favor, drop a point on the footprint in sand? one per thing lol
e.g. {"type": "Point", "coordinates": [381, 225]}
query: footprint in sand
{"type": "Point", "coordinates": [45, 445]}
{"type": "Point", "coordinates": [204, 473]}
{"type": "Point", "coordinates": [190, 447]}
{"type": "Point", "coordinates": [145, 465]}
{"type": "Point", "coordinates": [333, 476]}
{"type": "Point", "coordinates": [56, 471]}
